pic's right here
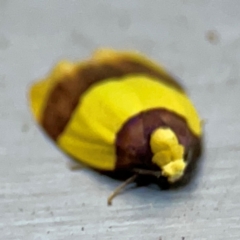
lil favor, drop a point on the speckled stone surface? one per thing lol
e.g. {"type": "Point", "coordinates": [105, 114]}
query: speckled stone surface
{"type": "Point", "coordinates": [40, 198]}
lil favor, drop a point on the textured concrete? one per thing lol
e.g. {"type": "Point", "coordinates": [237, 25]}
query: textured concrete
{"type": "Point", "coordinates": [40, 198]}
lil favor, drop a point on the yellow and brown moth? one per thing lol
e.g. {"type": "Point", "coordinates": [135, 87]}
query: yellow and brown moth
{"type": "Point", "coordinates": [119, 111]}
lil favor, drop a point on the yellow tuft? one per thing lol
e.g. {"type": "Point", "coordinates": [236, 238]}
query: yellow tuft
{"type": "Point", "coordinates": [162, 158]}
{"type": "Point", "coordinates": [168, 153]}
{"type": "Point", "coordinates": [177, 151]}
{"type": "Point", "coordinates": [162, 139]}
{"type": "Point", "coordinates": [174, 170]}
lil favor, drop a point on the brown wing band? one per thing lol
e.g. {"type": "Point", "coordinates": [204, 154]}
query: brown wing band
{"type": "Point", "coordinates": [65, 96]}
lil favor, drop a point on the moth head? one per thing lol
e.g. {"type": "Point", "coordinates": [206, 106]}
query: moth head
{"type": "Point", "coordinates": [168, 154]}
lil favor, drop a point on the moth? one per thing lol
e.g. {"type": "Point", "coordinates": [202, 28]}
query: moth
{"type": "Point", "coordinates": [119, 112]}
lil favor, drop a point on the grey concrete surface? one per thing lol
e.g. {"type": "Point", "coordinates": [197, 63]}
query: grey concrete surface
{"type": "Point", "coordinates": [40, 198]}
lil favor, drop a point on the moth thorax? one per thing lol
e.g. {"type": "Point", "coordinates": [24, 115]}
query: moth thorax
{"type": "Point", "coordinates": [168, 153]}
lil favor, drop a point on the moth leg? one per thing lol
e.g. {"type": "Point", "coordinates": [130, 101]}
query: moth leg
{"type": "Point", "coordinates": [147, 172]}
{"type": "Point", "coordinates": [120, 188]}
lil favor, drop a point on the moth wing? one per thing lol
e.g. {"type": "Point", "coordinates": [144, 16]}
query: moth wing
{"type": "Point", "coordinates": [91, 133]}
